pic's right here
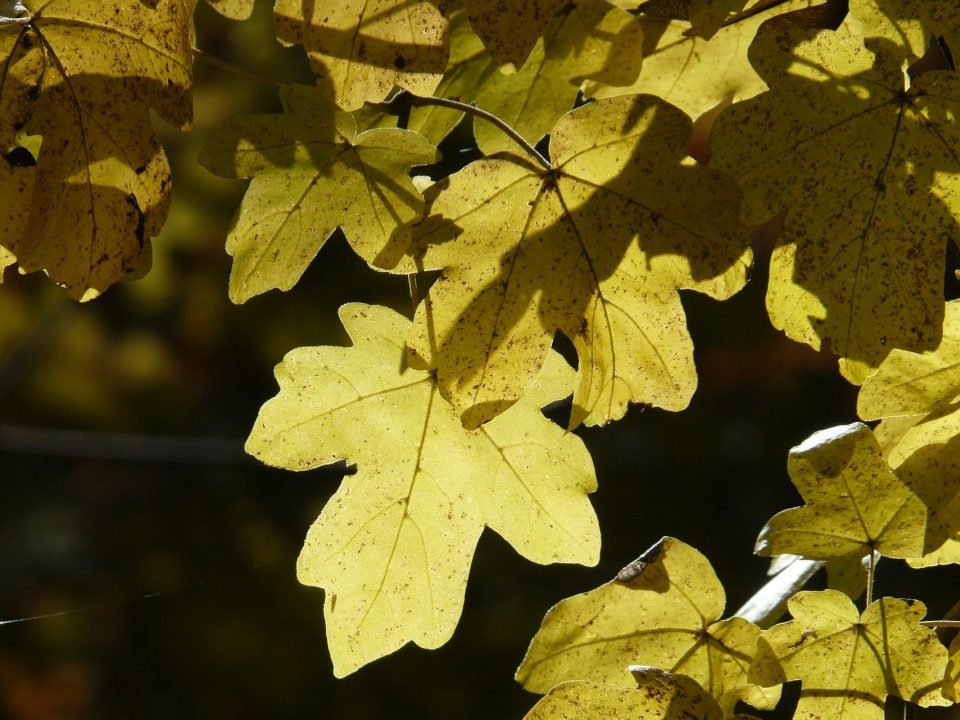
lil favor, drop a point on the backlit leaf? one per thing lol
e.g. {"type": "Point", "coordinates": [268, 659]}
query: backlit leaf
{"type": "Point", "coordinates": [84, 76]}
{"type": "Point", "coordinates": [6, 260]}
{"type": "Point", "coordinates": [392, 548]}
{"type": "Point", "coordinates": [855, 503]}
{"type": "Point", "coordinates": [312, 172]}
{"type": "Point", "coordinates": [661, 610]}
{"type": "Point", "coordinates": [588, 39]}
{"type": "Point", "coordinates": [233, 9]}
{"type": "Point", "coordinates": [660, 696]}
{"type": "Point", "coordinates": [510, 30]}
{"type": "Point", "coordinates": [910, 22]}
{"type": "Point", "coordinates": [693, 73]}
{"type": "Point", "coordinates": [868, 172]}
{"type": "Point", "coordinates": [918, 391]}
{"type": "Point", "coordinates": [529, 253]}
{"type": "Point", "coordinates": [360, 49]}
{"type": "Point", "coordinates": [848, 664]}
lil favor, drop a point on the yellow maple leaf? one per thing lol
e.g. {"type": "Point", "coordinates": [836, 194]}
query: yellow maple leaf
{"type": "Point", "coordinates": [849, 663]}
{"type": "Point", "coordinates": [661, 610]}
{"type": "Point", "coordinates": [855, 503]}
{"type": "Point", "coordinates": [691, 72]}
{"type": "Point", "coordinates": [588, 39]}
{"type": "Point", "coordinates": [867, 170]}
{"type": "Point", "coordinates": [658, 696]}
{"type": "Point", "coordinates": [312, 172]}
{"type": "Point", "coordinates": [393, 546]}
{"type": "Point", "coordinates": [359, 50]}
{"type": "Point", "coordinates": [100, 188]}
{"type": "Point", "coordinates": [509, 31]}
{"type": "Point", "coordinates": [917, 392]}
{"type": "Point", "coordinates": [529, 252]}
{"type": "Point", "coordinates": [910, 23]}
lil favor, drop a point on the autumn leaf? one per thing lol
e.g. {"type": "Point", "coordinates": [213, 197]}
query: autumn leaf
{"type": "Point", "coordinates": [6, 260]}
{"type": "Point", "coordinates": [910, 23]}
{"type": "Point", "coordinates": [587, 39]}
{"type": "Point", "coordinates": [660, 696]}
{"type": "Point", "coordinates": [360, 50]}
{"type": "Point", "coordinates": [848, 664]}
{"type": "Point", "coordinates": [509, 31]}
{"type": "Point", "coordinates": [917, 392]}
{"type": "Point", "coordinates": [661, 610]}
{"type": "Point", "coordinates": [84, 76]}
{"type": "Point", "coordinates": [233, 9]}
{"type": "Point", "coordinates": [691, 72]}
{"type": "Point", "coordinates": [867, 171]}
{"type": "Point", "coordinates": [312, 172]}
{"type": "Point", "coordinates": [855, 503]}
{"type": "Point", "coordinates": [951, 682]}
{"type": "Point", "coordinates": [393, 546]}
{"type": "Point", "coordinates": [530, 252]}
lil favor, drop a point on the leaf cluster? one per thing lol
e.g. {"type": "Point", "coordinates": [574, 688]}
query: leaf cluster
{"type": "Point", "coordinates": [584, 216]}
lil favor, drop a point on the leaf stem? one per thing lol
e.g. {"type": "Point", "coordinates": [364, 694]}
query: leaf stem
{"type": "Point", "coordinates": [396, 103]}
{"type": "Point", "coordinates": [941, 623]}
{"type": "Point", "coordinates": [237, 70]}
{"type": "Point", "coordinates": [871, 572]}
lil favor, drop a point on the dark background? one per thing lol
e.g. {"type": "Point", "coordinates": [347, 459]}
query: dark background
{"type": "Point", "coordinates": [128, 505]}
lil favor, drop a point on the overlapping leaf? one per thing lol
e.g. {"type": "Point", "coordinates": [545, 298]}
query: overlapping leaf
{"type": "Point", "coordinates": [359, 50]}
{"type": "Point", "coordinates": [855, 503]}
{"type": "Point", "coordinates": [849, 663]}
{"type": "Point", "coordinates": [660, 696]}
{"type": "Point", "coordinates": [84, 76]}
{"type": "Point", "coordinates": [868, 171]}
{"type": "Point", "coordinates": [313, 172]}
{"type": "Point", "coordinates": [529, 252]}
{"type": "Point", "coordinates": [510, 30]}
{"type": "Point", "coordinates": [587, 39]}
{"type": "Point", "coordinates": [393, 547]}
{"type": "Point", "coordinates": [233, 9]}
{"type": "Point", "coordinates": [661, 610]}
{"type": "Point", "coordinates": [917, 392]}
{"type": "Point", "coordinates": [691, 72]}
{"type": "Point", "coordinates": [910, 23]}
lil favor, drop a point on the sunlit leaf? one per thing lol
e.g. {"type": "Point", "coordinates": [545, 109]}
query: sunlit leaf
{"type": "Point", "coordinates": [693, 73]}
{"type": "Point", "coordinates": [509, 31]}
{"type": "Point", "coordinates": [910, 23]}
{"type": "Point", "coordinates": [359, 50]}
{"type": "Point", "coordinates": [660, 696]}
{"type": "Point", "coordinates": [848, 664]}
{"type": "Point", "coordinates": [661, 610]}
{"type": "Point", "coordinates": [868, 172]}
{"type": "Point", "coordinates": [312, 172]}
{"type": "Point", "coordinates": [530, 252]}
{"type": "Point", "coordinates": [855, 503]}
{"type": "Point", "coordinates": [84, 76]}
{"type": "Point", "coordinates": [233, 9]}
{"type": "Point", "coordinates": [588, 39]}
{"type": "Point", "coordinates": [392, 548]}
{"type": "Point", "coordinates": [918, 392]}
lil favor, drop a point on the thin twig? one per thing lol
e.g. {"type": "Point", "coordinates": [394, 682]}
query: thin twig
{"type": "Point", "coordinates": [871, 571]}
{"type": "Point", "coordinates": [237, 70]}
{"type": "Point", "coordinates": [394, 106]}
{"type": "Point", "coordinates": [941, 623]}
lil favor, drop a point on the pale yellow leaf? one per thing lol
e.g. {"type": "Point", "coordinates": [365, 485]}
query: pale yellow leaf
{"type": "Point", "coordinates": [661, 610]}
{"type": "Point", "coordinates": [855, 503]}
{"type": "Point", "coordinates": [660, 696]}
{"type": "Point", "coordinates": [312, 173]}
{"type": "Point", "coordinates": [393, 546]}
{"type": "Point", "coordinates": [918, 392]}
{"type": "Point", "coordinates": [360, 49]}
{"type": "Point", "coordinates": [847, 663]}
{"type": "Point", "coordinates": [529, 253]}
{"type": "Point", "coordinates": [868, 172]}
{"type": "Point", "coordinates": [510, 30]}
